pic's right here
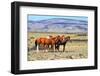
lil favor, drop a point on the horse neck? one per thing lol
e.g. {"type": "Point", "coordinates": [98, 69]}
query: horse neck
{"type": "Point", "coordinates": [64, 41]}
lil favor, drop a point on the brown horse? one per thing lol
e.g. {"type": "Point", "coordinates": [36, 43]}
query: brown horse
{"type": "Point", "coordinates": [62, 41]}
{"type": "Point", "coordinates": [54, 42]}
{"type": "Point", "coordinates": [45, 42]}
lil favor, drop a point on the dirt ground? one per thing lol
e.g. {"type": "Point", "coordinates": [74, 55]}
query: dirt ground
{"type": "Point", "coordinates": [73, 50]}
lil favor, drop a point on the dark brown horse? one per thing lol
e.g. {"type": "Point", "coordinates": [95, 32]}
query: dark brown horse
{"type": "Point", "coordinates": [62, 41]}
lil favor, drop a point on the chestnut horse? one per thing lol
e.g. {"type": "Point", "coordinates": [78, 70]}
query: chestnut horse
{"type": "Point", "coordinates": [45, 42]}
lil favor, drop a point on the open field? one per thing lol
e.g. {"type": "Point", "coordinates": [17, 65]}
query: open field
{"type": "Point", "coordinates": [77, 49]}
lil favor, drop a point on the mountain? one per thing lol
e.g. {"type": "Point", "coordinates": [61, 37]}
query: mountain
{"type": "Point", "coordinates": [60, 25]}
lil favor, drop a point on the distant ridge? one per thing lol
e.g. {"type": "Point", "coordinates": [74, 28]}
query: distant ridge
{"type": "Point", "coordinates": [60, 25]}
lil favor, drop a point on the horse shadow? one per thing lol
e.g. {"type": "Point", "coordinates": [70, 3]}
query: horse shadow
{"type": "Point", "coordinates": [49, 50]}
{"type": "Point", "coordinates": [34, 48]}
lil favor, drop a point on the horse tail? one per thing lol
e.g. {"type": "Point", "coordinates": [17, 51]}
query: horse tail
{"type": "Point", "coordinates": [35, 43]}
{"type": "Point", "coordinates": [36, 46]}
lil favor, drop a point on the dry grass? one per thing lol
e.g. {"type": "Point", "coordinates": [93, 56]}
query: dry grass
{"type": "Point", "coordinates": [73, 50]}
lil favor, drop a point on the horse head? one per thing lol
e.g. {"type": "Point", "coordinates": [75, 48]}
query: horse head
{"type": "Point", "coordinates": [67, 38]}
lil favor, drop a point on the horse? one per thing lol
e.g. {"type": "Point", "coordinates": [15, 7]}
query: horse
{"type": "Point", "coordinates": [45, 42]}
{"type": "Point", "coordinates": [62, 41]}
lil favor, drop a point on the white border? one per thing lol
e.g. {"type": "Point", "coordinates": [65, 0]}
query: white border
{"type": "Point", "coordinates": [26, 65]}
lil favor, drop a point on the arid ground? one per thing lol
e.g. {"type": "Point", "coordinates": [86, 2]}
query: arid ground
{"type": "Point", "coordinates": [76, 49]}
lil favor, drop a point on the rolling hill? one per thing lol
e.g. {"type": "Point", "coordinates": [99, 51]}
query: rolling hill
{"type": "Point", "coordinates": [60, 25]}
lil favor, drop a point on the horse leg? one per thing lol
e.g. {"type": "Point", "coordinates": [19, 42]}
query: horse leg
{"type": "Point", "coordinates": [63, 48]}
{"type": "Point", "coordinates": [35, 43]}
{"type": "Point", "coordinates": [44, 47]}
{"type": "Point", "coordinates": [57, 47]}
{"type": "Point", "coordinates": [47, 48]}
{"type": "Point", "coordinates": [37, 48]}
{"type": "Point", "coordinates": [54, 48]}
{"type": "Point", "coordinates": [51, 46]}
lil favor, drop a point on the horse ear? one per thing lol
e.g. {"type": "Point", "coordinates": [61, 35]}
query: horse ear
{"type": "Point", "coordinates": [68, 37]}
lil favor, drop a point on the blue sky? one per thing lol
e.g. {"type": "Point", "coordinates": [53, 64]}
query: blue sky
{"type": "Point", "coordinates": [43, 17]}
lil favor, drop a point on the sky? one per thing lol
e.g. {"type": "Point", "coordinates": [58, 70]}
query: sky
{"type": "Point", "coordinates": [43, 17]}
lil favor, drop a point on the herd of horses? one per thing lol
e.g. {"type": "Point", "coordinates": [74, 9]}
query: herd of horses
{"type": "Point", "coordinates": [52, 42]}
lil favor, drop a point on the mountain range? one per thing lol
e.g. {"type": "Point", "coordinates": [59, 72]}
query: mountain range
{"type": "Point", "coordinates": [58, 25]}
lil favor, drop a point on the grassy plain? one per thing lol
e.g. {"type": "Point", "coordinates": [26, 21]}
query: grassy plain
{"type": "Point", "coordinates": [77, 49]}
